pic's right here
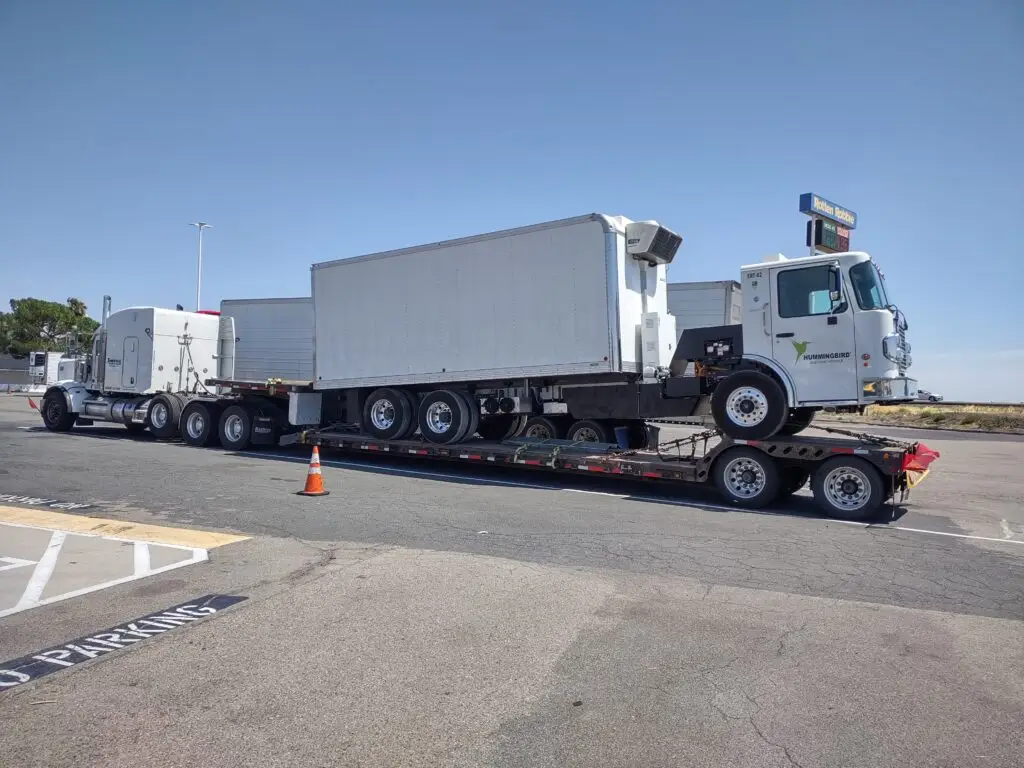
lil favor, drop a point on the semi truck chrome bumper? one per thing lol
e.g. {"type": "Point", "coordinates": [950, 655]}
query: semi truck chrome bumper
{"type": "Point", "coordinates": [876, 390]}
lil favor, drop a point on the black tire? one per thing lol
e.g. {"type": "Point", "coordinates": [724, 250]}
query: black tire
{"type": "Point", "coordinates": [849, 488]}
{"type": "Point", "coordinates": [747, 477]}
{"type": "Point", "coordinates": [473, 408]}
{"type": "Point", "coordinates": [57, 417]}
{"type": "Point", "coordinates": [590, 431]}
{"type": "Point", "coordinates": [749, 405]}
{"type": "Point", "coordinates": [793, 479]}
{"type": "Point", "coordinates": [163, 416]}
{"type": "Point", "coordinates": [199, 423]}
{"type": "Point", "coordinates": [443, 417]}
{"type": "Point", "coordinates": [799, 420]}
{"type": "Point", "coordinates": [496, 428]}
{"type": "Point", "coordinates": [388, 414]}
{"type": "Point", "coordinates": [544, 428]}
{"type": "Point", "coordinates": [234, 428]}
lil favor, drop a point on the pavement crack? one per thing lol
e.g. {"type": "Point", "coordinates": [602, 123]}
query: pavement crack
{"type": "Point", "coordinates": [785, 636]}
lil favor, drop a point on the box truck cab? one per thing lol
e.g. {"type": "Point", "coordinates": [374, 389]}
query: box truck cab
{"type": "Point", "coordinates": [825, 331]}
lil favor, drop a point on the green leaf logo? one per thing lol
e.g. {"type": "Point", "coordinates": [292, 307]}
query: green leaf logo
{"type": "Point", "coordinates": [801, 348]}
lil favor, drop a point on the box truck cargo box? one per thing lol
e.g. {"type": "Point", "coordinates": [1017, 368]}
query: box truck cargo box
{"type": "Point", "coordinates": [273, 338]}
{"type": "Point", "coordinates": [558, 299]}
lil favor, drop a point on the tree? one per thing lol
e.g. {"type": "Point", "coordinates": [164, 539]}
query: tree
{"type": "Point", "coordinates": [35, 324]}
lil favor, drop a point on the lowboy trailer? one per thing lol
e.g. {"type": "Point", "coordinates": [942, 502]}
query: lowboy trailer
{"type": "Point", "coordinates": [853, 478]}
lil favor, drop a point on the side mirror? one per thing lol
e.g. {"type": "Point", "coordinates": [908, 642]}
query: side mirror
{"type": "Point", "coordinates": [835, 284]}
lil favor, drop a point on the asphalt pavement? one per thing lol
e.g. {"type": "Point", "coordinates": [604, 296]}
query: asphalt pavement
{"type": "Point", "coordinates": [423, 614]}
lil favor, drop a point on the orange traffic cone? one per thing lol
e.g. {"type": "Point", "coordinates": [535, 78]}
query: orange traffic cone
{"type": "Point", "coordinates": [314, 480]}
{"type": "Point", "coordinates": [32, 404]}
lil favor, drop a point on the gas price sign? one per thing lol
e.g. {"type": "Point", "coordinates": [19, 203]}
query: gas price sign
{"type": "Point", "coordinates": [827, 236]}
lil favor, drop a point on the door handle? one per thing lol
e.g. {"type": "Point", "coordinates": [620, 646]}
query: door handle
{"type": "Point", "coordinates": [784, 335]}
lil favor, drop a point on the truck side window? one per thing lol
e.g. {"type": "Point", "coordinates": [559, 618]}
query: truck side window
{"type": "Point", "coordinates": [804, 292]}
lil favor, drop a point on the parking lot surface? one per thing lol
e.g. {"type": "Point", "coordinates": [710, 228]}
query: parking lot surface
{"type": "Point", "coordinates": [425, 615]}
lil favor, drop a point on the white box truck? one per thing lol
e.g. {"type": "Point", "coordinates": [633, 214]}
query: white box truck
{"type": "Point", "coordinates": [556, 330]}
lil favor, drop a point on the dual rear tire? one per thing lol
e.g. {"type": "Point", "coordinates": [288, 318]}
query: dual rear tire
{"type": "Point", "coordinates": [444, 416]}
{"type": "Point", "coordinates": [844, 487]}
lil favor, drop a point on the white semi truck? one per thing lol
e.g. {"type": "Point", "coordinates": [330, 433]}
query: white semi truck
{"type": "Point", "coordinates": [554, 331]}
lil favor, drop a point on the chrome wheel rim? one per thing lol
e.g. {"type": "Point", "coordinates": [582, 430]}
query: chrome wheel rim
{"type": "Point", "coordinates": [537, 430]}
{"type": "Point", "coordinates": [159, 415]}
{"type": "Point", "coordinates": [234, 428]}
{"type": "Point", "coordinates": [439, 417]}
{"type": "Point", "coordinates": [746, 406]}
{"type": "Point", "coordinates": [195, 424]}
{"type": "Point", "coordinates": [382, 414]}
{"type": "Point", "coordinates": [745, 478]}
{"type": "Point", "coordinates": [847, 488]}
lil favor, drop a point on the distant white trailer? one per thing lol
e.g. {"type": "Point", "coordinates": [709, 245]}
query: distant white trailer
{"type": "Point", "coordinates": [273, 338]}
{"type": "Point", "coordinates": [44, 368]}
{"type": "Point", "coordinates": [705, 304]}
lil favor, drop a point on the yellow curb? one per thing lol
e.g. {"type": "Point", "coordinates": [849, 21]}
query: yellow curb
{"type": "Point", "coordinates": [97, 526]}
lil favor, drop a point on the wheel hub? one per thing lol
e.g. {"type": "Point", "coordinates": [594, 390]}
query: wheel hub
{"type": "Point", "coordinates": [745, 477]}
{"type": "Point", "coordinates": [194, 425]}
{"type": "Point", "coordinates": [159, 415]}
{"type": "Point", "coordinates": [382, 414]}
{"type": "Point", "coordinates": [233, 427]}
{"type": "Point", "coordinates": [439, 418]}
{"type": "Point", "coordinates": [746, 406]}
{"type": "Point", "coordinates": [847, 488]}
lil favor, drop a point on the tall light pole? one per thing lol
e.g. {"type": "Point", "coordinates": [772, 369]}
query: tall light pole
{"type": "Point", "coordinates": [200, 225]}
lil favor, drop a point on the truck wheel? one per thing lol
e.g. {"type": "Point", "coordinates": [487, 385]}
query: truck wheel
{"type": "Point", "coordinates": [799, 420]}
{"type": "Point", "coordinates": [473, 407]}
{"type": "Point", "coordinates": [749, 405]}
{"type": "Point", "coordinates": [544, 428]}
{"type": "Point", "coordinates": [57, 417]}
{"type": "Point", "coordinates": [747, 477]}
{"type": "Point", "coordinates": [590, 431]}
{"type": "Point", "coordinates": [235, 428]}
{"type": "Point", "coordinates": [198, 423]}
{"type": "Point", "coordinates": [848, 488]}
{"type": "Point", "coordinates": [163, 416]}
{"type": "Point", "coordinates": [443, 417]}
{"type": "Point", "coordinates": [793, 479]}
{"type": "Point", "coordinates": [497, 427]}
{"type": "Point", "coordinates": [388, 414]}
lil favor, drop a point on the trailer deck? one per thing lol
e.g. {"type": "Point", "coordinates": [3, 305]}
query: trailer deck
{"type": "Point", "coordinates": [690, 460]}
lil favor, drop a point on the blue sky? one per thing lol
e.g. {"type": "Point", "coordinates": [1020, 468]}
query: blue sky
{"type": "Point", "coordinates": [308, 131]}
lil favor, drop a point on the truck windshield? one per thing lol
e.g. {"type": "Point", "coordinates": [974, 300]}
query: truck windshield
{"type": "Point", "coordinates": [868, 286]}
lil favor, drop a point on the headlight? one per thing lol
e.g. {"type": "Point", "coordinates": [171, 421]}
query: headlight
{"type": "Point", "coordinates": [876, 388]}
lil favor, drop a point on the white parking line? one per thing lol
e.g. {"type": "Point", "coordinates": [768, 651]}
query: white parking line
{"type": "Point", "coordinates": [142, 566]}
{"type": "Point", "coordinates": [14, 562]}
{"type": "Point", "coordinates": [41, 575]}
